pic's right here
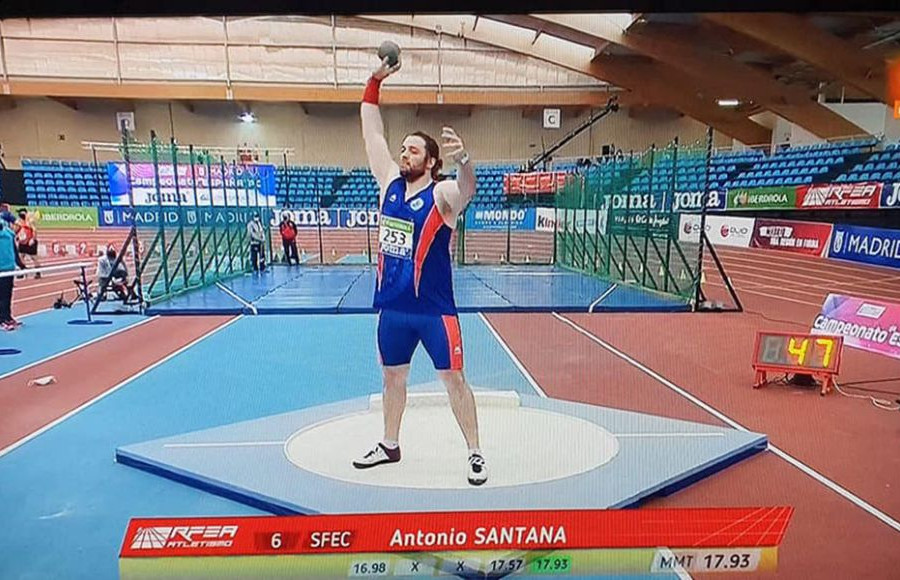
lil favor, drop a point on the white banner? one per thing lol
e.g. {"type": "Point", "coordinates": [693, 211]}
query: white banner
{"type": "Point", "coordinates": [721, 230]}
{"type": "Point", "coordinates": [546, 221]}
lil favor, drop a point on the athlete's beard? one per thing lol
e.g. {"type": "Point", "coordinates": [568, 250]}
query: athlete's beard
{"type": "Point", "coordinates": [413, 173]}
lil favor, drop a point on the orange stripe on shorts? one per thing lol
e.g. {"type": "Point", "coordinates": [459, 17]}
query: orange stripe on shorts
{"type": "Point", "coordinates": [454, 340]}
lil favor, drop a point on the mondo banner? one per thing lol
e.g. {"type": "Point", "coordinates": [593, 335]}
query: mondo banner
{"type": "Point", "coordinates": [500, 219]}
{"type": "Point", "coordinates": [808, 238]}
{"type": "Point", "coordinates": [839, 196]}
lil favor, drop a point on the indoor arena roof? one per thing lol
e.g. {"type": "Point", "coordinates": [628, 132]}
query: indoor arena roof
{"type": "Point", "coordinates": [722, 69]}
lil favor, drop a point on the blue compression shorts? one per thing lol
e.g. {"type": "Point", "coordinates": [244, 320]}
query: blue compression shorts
{"type": "Point", "coordinates": [399, 333]}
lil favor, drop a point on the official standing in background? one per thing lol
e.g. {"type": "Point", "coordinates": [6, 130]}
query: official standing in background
{"type": "Point", "coordinates": [9, 260]}
{"type": "Point", "coordinates": [257, 233]}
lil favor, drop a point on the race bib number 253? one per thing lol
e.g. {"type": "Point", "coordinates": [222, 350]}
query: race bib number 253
{"type": "Point", "coordinates": [395, 237]}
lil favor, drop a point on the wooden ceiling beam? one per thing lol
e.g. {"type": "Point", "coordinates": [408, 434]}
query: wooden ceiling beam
{"type": "Point", "coordinates": [677, 47]}
{"type": "Point", "coordinates": [803, 40]}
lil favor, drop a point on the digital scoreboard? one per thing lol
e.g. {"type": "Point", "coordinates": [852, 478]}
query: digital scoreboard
{"type": "Point", "coordinates": [464, 545]}
{"type": "Point", "coordinates": [785, 352]}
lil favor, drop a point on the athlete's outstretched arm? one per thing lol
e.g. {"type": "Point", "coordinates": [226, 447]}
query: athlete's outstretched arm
{"type": "Point", "coordinates": [381, 162]}
{"type": "Point", "coordinates": [454, 196]}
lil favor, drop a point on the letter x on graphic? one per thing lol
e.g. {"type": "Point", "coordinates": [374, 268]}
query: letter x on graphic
{"type": "Point", "coordinates": [415, 567]}
{"type": "Point", "coordinates": [460, 566]}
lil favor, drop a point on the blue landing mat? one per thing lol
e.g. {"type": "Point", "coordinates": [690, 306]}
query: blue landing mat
{"type": "Point", "coordinates": [349, 289]}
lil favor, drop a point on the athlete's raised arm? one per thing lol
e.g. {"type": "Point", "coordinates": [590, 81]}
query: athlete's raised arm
{"type": "Point", "coordinates": [381, 162]}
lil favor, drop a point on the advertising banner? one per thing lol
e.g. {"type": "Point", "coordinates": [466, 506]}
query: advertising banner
{"type": "Point", "coordinates": [534, 183]}
{"type": "Point", "coordinates": [693, 201]}
{"type": "Point", "coordinates": [545, 219]}
{"type": "Point", "coordinates": [500, 219]}
{"type": "Point", "coordinates": [890, 196]}
{"type": "Point", "coordinates": [59, 218]}
{"type": "Point", "coordinates": [808, 238]}
{"type": "Point", "coordinates": [839, 196]}
{"type": "Point", "coordinates": [865, 324]}
{"type": "Point", "coordinates": [241, 185]}
{"type": "Point", "coordinates": [762, 198]}
{"type": "Point", "coordinates": [868, 245]}
{"type": "Point", "coordinates": [657, 223]}
{"type": "Point", "coordinates": [721, 230]}
{"type": "Point", "coordinates": [117, 216]}
{"type": "Point", "coordinates": [313, 218]}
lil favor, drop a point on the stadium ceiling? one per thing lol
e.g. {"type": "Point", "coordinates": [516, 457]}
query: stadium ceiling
{"type": "Point", "coordinates": [789, 65]}
{"type": "Point", "coordinates": [784, 63]}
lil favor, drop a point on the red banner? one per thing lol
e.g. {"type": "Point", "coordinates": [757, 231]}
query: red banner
{"type": "Point", "coordinates": [441, 531]}
{"type": "Point", "coordinates": [808, 238]}
{"type": "Point", "coordinates": [839, 196]}
{"type": "Point", "coordinates": [534, 183]}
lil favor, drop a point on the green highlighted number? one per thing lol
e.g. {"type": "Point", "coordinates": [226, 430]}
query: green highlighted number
{"type": "Point", "coordinates": [552, 565]}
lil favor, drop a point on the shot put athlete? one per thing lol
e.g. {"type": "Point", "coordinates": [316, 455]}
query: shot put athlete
{"type": "Point", "coordinates": [414, 286]}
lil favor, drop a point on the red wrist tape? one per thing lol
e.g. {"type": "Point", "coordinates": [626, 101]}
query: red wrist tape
{"type": "Point", "coordinates": [373, 88]}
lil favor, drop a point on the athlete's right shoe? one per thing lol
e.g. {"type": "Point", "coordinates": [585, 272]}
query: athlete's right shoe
{"type": "Point", "coordinates": [379, 455]}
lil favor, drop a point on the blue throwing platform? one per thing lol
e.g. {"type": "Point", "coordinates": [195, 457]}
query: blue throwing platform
{"type": "Point", "coordinates": [349, 289]}
{"type": "Point", "coordinates": [300, 462]}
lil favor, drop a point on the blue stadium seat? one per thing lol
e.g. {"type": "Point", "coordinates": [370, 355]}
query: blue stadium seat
{"type": "Point", "coordinates": [864, 177]}
{"type": "Point", "coordinates": [876, 176]}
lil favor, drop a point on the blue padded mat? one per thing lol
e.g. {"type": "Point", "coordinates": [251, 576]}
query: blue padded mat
{"type": "Point", "coordinates": [349, 289]}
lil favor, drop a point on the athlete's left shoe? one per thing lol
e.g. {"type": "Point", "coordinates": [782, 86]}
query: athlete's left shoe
{"type": "Point", "coordinates": [477, 469]}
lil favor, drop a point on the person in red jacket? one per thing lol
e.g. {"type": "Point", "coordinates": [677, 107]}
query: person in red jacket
{"type": "Point", "coordinates": [288, 231]}
{"type": "Point", "coordinates": [26, 239]}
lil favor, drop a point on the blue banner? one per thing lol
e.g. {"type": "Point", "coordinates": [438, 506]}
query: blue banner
{"type": "Point", "coordinates": [116, 216]}
{"type": "Point", "coordinates": [868, 245]}
{"type": "Point", "coordinates": [500, 219]}
{"type": "Point", "coordinates": [890, 195]}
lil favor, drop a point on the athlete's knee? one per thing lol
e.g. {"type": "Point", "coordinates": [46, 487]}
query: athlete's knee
{"type": "Point", "coordinates": [455, 382]}
{"type": "Point", "coordinates": [395, 377]}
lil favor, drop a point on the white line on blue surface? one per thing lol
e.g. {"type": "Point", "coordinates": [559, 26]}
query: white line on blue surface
{"type": "Point", "coordinates": [226, 444]}
{"type": "Point", "coordinates": [602, 297]}
{"type": "Point", "coordinates": [228, 291]}
{"type": "Point", "coordinates": [112, 390]}
{"type": "Point", "coordinates": [76, 347]}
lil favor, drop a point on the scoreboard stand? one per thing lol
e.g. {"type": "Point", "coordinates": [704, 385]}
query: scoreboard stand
{"type": "Point", "coordinates": [784, 352]}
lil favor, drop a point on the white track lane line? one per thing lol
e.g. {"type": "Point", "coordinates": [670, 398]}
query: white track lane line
{"type": "Point", "coordinates": [846, 494]}
{"type": "Point", "coordinates": [824, 285]}
{"type": "Point", "coordinates": [769, 256]}
{"type": "Point", "coordinates": [513, 357]}
{"type": "Point", "coordinates": [112, 390]}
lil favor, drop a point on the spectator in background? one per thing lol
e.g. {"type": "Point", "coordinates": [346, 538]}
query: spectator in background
{"type": "Point", "coordinates": [257, 240]}
{"type": "Point", "coordinates": [9, 260]}
{"type": "Point", "coordinates": [115, 279]}
{"type": "Point", "coordinates": [26, 238]}
{"type": "Point", "coordinates": [288, 231]}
